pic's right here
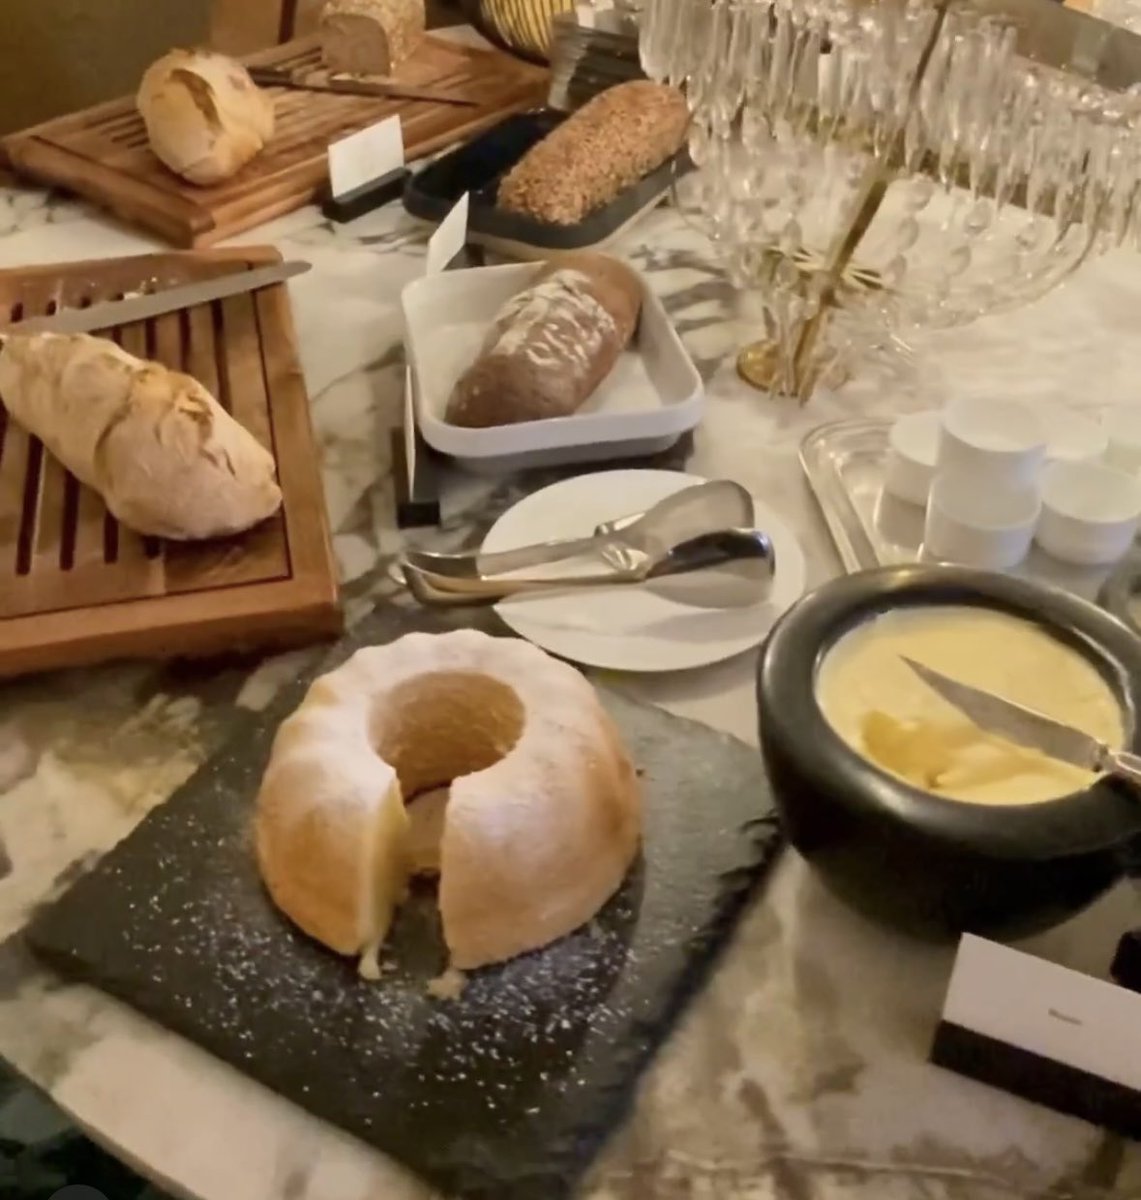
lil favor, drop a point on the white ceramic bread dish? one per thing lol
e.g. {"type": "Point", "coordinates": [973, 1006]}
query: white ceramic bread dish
{"type": "Point", "coordinates": [1090, 512]}
{"type": "Point", "coordinates": [651, 397]}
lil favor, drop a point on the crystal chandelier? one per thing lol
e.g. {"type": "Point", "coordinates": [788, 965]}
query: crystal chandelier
{"type": "Point", "coordinates": [874, 166]}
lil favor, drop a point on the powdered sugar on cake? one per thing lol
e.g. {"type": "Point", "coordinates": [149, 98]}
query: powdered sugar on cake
{"type": "Point", "coordinates": [540, 826]}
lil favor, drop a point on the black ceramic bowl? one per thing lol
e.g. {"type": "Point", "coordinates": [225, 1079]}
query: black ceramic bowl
{"type": "Point", "coordinates": [931, 865]}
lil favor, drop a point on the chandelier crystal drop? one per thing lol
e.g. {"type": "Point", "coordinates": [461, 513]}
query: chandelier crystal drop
{"type": "Point", "coordinates": [874, 166]}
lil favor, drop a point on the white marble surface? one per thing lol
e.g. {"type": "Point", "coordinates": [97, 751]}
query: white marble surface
{"type": "Point", "coordinates": [801, 1071]}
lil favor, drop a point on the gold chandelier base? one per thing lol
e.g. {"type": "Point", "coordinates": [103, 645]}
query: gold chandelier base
{"type": "Point", "coordinates": [763, 365]}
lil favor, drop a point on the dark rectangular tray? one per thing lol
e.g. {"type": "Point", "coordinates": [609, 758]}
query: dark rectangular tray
{"type": "Point", "coordinates": [507, 1092]}
{"type": "Point", "coordinates": [478, 166]}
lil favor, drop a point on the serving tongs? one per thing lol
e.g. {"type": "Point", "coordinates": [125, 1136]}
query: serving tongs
{"type": "Point", "coordinates": [702, 530]}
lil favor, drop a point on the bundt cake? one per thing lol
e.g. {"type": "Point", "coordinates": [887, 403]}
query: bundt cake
{"type": "Point", "coordinates": [541, 822]}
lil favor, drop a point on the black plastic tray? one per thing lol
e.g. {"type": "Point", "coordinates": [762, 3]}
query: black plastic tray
{"type": "Point", "coordinates": [507, 1092]}
{"type": "Point", "coordinates": [478, 166]}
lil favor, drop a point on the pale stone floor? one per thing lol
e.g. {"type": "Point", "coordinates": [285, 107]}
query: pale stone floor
{"type": "Point", "coordinates": [44, 1157]}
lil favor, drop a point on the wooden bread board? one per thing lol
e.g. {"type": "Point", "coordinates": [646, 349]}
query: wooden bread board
{"type": "Point", "coordinates": [102, 152]}
{"type": "Point", "coordinates": [76, 587]}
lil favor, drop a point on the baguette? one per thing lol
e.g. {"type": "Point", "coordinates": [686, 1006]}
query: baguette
{"type": "Point", "coordinates": [370, 37]}
{"type": "Point", "coordinates": [612, 142]}
{"type": "Point", "coordinates": [167, 459]}
{"type": "Point", "coordinates": [205, 116]}
{"type": "Point", "coordinates": [550, 345]}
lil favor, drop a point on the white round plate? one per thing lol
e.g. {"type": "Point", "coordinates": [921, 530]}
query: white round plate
{"type": "Point", "coordinates": [629, 627]}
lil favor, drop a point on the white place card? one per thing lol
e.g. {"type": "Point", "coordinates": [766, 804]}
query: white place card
{"type": "Point", "coordinates": [449, 238]}
{"type": "Point", "coordinates": [1063, 1015]}
{"type": "Point", "coordinates": [1046, 1032]}
{"type": "Point", "coordinates": [365, 155]}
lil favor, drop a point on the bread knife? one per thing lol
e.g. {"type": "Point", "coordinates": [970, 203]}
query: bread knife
{"type": "Point", "coordinates": [324, 82]}
{"type": "Point", "coordinates": [110, 313]}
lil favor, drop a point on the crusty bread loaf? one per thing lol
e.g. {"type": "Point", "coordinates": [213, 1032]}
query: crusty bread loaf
{"type": "Point", "coordinates": [164, 455]}
{"type": "Point", "coordinates": [616, 138]}
{"type": "Point", "coordinates": [551, 345]}
{"type": "Point", "coordinates": [370, 37]}
{"type": "Point", "coordinates": [205, 116]}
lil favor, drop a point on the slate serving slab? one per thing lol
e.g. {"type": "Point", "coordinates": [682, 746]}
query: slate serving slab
{"type": "Point", "coordinates": [507, 1092]}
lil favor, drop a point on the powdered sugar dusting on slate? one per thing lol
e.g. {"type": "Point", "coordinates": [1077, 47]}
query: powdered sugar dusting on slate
{"type": "Point", "coordinates": [506, 1091]}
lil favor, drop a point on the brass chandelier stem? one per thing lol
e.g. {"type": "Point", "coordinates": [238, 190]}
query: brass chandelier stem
{"type": "Point", "coordinates": [873, 188]}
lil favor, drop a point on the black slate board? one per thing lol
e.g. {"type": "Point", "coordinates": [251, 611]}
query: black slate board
{"type": "Point", "coordinates": [508, 1092]}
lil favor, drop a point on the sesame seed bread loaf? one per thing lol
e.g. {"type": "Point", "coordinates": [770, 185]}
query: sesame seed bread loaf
{"type": "Point", "coordinates": [616, 139]}
{"type": "Point", "coordinates": [550, 345]}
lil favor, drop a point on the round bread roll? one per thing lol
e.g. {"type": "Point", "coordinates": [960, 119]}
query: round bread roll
{"type": "Point", "coordinates": [543, 811]}
{"type": "Point", "coordinates": [205, 116]}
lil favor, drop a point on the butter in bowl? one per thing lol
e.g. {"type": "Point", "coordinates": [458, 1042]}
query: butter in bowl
{"type": "Point", "coordinates": [907, 808]}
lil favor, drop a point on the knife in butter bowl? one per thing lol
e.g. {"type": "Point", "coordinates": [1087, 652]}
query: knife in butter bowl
{"type": "Point", "coordinates": [110, 313]}
{"type": "Point", "coordinates": [1026, 727]}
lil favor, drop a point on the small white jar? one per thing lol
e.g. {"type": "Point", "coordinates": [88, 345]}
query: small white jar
{"type": "Point", "coordinates": [912, 449]}
{"type": "Point", "coordinates": [997, 442]}
{"type": "Point", "coordinates": [1090, 512]}
{"type": "Point", "coordinates": [987, 526]}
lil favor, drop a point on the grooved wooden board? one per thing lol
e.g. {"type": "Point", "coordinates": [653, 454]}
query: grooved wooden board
{"type": "Point", "coordinates": [75, 586]}
{"type": "Point", "coordinates": [102, 153]}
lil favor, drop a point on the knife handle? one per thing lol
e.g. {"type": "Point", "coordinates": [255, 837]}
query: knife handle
{"type": "Point", "coordinates": [1123, 765]}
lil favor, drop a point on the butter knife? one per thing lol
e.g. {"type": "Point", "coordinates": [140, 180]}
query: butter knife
{"type": "Point", "coordinates": [154, 304]}
{"type": "Point", "coordinates": [1026, 727]}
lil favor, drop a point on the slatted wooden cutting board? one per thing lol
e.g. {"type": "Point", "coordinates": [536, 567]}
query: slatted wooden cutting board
{"type": "Point", "coordinates": [102, 153]}
{"type": "Point", "coordinates": [76, 587]}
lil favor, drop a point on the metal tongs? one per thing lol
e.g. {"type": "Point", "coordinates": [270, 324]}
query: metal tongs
{"type": "Point", "coordinates": [703, 535]}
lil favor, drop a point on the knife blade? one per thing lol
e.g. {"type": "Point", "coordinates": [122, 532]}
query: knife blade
{"type": "Point", "coordinates": [1023, 726]}
{"type": "Point", "coordinates": [140, 308]}
{"type": "Point", "coordinates": [322, 81]}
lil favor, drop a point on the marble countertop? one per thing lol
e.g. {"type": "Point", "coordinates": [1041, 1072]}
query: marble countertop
{"type": "Point", "coordinates": [801, 1071]}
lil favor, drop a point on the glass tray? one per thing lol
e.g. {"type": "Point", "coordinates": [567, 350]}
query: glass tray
{"type": "Point", "coordinates": [844, 462]}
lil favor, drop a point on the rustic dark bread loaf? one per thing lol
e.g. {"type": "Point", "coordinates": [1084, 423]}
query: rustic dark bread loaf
{"type": "Point", "coordinates": [550, 345]}
{"type": "Point", "coordinates": [616, 139]}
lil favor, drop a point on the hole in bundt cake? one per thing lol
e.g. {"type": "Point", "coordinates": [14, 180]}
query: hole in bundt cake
{"type": "Point", "coordinates": [435, 728]}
